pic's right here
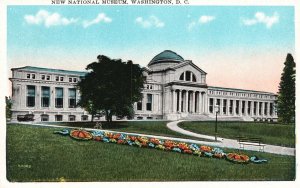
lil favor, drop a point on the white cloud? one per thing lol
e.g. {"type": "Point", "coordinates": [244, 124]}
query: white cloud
{"type": "Point", "coordinates": [152, 21]}
{"type": "Point", "coordinates": [260, 17]}
{"type": "Point", "coordinates": [205, 19]}
{"type": "Point", "coordinates": [100, 18]}
{"type": "Point", "coordinates": [48, 19]}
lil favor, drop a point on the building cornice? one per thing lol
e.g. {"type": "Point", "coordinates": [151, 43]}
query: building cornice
{"type": "Point", "coordinates": [42, 81]}
{"type": "Point", "coordinates": [190, 84]}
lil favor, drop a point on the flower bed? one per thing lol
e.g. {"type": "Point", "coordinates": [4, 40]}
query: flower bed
{"type": "Point", "coordinates": [81, 134]}
{"type": "Point", "coordinates": [161, 144]}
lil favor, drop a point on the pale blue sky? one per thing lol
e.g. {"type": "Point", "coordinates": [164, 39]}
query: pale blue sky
{"type": "Point", "coordinates": [71, 37]}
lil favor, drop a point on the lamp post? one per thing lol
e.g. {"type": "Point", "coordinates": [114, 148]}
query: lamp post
{"type": "Point", "coordinates": [217, 108]}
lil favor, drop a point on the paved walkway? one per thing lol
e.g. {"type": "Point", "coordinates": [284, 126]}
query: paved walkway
{"type": "Point", "coordinates": [230, 143]}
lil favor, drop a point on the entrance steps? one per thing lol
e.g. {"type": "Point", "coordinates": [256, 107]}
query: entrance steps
{"type": "Point", "coordinates": [205, 117]}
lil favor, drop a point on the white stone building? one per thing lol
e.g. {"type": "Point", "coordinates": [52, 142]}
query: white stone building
{"type": "Point", "coordinates": [175, 89]}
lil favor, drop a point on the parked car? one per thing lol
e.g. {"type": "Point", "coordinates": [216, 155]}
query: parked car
{"type": "Point", "coordinates": [26, 117]}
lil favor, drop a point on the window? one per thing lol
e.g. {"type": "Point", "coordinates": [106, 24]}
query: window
{"type": "Point", "coordinates": [44, 117]}
{"type": "Point", "coordinates": [224, 106]}
{"type": "Point", "coordinates": [45, 100]}
{"type": "Point", "coordinates": [70, 79]}
{"type": "Point", "coordinates": [72, 117]}
{"type": "Point", "coordinates": [254, 108]}
{"type": "Point", "coordinates": [237, 109]}
{"type": "Point", "coordinates": [139, 105]}
{"type": "Point", "coordinates": [43, 77]}
{"type": "Point", "coordinates": [33, 76]}
{"type": "Point", "coordinates": [266, 108]}
{"type": "Point", "coordinates": [249, 107]}
{"type": "Point", "coordinates": [211, 105]}
{"type": "Point", "coordinates": [181, 76]}
{"type": "Point", "coordinates": [271, 109]}
{"type": "Point", "coordinates": [57, 78]}
{"type": "Point", "coordinates": [243, 107]}
{"type": "Point", "coordinates": [188, 76]}
{"type": "Point", "coordinates": [194, 78]}
{"type": "Point", "coordinates": [48, 77]}
{"type": "Point", "coordinates": [230, 106]}
{"type": "Point", "coordinates": [72, 97]}
{"type": "Point", "coordinates": [58, 117]}
{"type": "Point", "coordinates": [28, 75]}
{"type": "Point", "coordinates": [74, 79]}
{"type": "Point", "coordinates": [260, 108]}
{"type": "Point", "coordinates": [140, 118]}
{"type": "Point", "coordinates": [149, 117]}
{"type": "Point", "coordinates": [149, 102]}
{"type": "Point", "coordinates": [59, 94]}
{"type": "Point", "coordinates": [218, 102]}
{"type": "Point", "coordinates": [84, 118]}
{"type": "Point", "coordinates": [61, 79]}
{"type": "Point", "coordinates": [30, 96]}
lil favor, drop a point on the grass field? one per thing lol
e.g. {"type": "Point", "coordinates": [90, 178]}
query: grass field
{"type": "Point", "coordinates": [144, 127]}
{"type": "Point", "coordinates": [276, 134]}
{"type": "Point", "coordinates": [36, 154]}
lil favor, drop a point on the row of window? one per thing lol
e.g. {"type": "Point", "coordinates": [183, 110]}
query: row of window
{"type": "Point", "coordinates": [262, 96]}
{"type": "Point", "coordinates": [188, 76]}
{"type": "Point", "coordinates": [256, 106]}
{"type": "Point", "coordinates": [148, 104]}
{"type": "Point", "coordinates": [48, 77]}
{"type": "Point", "coordinates": [45, 117]}
{"type": "Point", "coordinates": [149, 86]}
{"type": "Point", "coordinates": [45, 97]}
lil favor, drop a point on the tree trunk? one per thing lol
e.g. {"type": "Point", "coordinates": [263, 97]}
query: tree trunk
{"type": "Point", "coordinates": [92, 120]}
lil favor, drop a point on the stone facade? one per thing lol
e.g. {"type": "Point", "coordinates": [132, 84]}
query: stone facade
{"type": "Point", "coordinates": [175, 89]}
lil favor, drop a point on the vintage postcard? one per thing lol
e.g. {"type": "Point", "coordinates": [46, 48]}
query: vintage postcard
{"type": "Point", "coordinates": [148, 91]}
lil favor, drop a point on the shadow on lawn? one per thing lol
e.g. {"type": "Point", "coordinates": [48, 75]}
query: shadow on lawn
{"type": "Point", "coordinates": [105, 125]}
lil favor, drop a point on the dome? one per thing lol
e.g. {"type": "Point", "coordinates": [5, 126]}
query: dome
{"type": "Point", "coordinates": [166, 56]}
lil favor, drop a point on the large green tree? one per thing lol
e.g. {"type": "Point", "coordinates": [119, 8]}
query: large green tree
{"type": "Point", "coordinates": [111, 86]}
{"type": "Point", "coordinates": [286, 94]}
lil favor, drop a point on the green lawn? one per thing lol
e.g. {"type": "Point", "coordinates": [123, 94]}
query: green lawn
{"type": "Point", "coordinates": [36, 154]}
{"type": "Point", "coordinates": [271, 133]}
{"type": "Point", "coordinates": [143, 127]}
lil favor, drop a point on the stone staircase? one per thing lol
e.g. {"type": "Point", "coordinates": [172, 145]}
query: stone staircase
{"type": "Point", "coordinates": [206, 117]}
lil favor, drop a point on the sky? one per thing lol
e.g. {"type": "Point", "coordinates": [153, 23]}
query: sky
{"type": "Point", "coordinates": [238, 46]}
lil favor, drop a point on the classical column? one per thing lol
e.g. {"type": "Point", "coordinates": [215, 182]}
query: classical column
{"type": "Point", "coordinates": [38, 95]}
{"type": "Point", "coordinates": [263, 109]}
{"type": "Point", "coordinates": [186, 101]}
{"type": "Point", "coordinates": [234, 107]}
{"type": "Point", "coordinates": [192, 106]}
{"type": "Point", "coordinates": [240, 107]}
{"type": "Point", "coordinates": [200, 103]}
{"type": "Point", "coordinates": [227, 106]}
{"type": "Point", "coordinates": [174, 101]}
{"type": "Point", "coordinates": [65, 98]}
{"type": "Point", "coordinates": [144, 105]}
{"type": "Point", "coordinates": [214, 105]}
{"type": "Point", "coordinates": [52, 98]}
{"type": "Point", "coordinates": [23, 96]}
{"type": "Point", "coordinates": [221, 107]}
{"type": "Point", "coordinates": [268, 109]}
{"type": "Point", "coordinates": [205, 104]}
{"type": "Point", "coordinates": [179, 100]}
{"type": "Point", "coordinates": [251, 108]}
{"type": "Point", "coordinates": [246, 108]}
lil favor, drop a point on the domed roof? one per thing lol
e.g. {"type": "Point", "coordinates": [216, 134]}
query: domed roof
{"type": "Point", "coordinates": [166, 56]}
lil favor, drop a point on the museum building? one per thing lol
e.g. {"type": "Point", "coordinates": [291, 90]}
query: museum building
{"type": "Point", "coordinates": [175, 89]}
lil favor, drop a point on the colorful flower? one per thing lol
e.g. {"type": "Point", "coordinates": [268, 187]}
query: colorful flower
{"type": "Point", "coordinates": [81, 134]}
